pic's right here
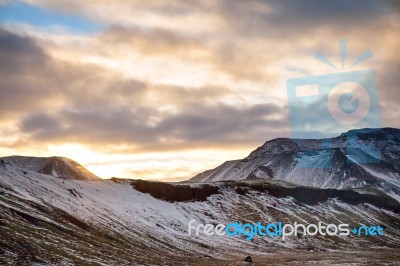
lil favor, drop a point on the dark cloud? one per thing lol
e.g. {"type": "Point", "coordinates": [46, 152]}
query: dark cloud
{"type": "Point", "coordinates": [275, 18]}
{"type": "Point", "coordinates": [41, 125]}
{"type": "Point", "coordinates": [222, 123]}
{"type": "Point", "coordinates": [194, 126]}
{"type": "Point", "coordinates": [19, 53]}
{"type": "Point", "coordinates": [32, 81]}
{"type": "Point", "coordinates": [23, 63]}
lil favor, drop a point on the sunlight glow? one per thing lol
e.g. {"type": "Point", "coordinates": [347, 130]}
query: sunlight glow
{"type": "Point", "coordinates": [167, 166]}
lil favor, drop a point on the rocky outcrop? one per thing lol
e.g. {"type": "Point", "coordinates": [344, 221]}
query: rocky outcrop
{"type": "Point", "coordinates": [175, 192]}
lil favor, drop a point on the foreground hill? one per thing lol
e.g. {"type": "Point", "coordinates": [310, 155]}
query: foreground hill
{"type": "Point", "coordinates": [46, 220]}
{"type": "Point", "coordinates": [329, 163]}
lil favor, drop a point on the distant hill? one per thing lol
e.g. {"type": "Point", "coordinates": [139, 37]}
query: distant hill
{"type": "Point", "coordinates": [59, 167]}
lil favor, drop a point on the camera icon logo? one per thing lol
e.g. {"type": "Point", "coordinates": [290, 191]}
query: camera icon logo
{"type": "Point", "coordinates": [321, 106]}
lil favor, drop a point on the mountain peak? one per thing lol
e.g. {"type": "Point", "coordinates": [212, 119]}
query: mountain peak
{"type": "Point", "coordinates": [59, 167]}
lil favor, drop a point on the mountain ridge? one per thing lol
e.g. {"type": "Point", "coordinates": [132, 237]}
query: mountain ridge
{"type": "Point", "coordinates": [325, 163]}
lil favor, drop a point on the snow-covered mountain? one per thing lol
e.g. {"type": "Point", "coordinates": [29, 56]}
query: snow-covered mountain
{"type": "Point", "coordinates": [55, 212]}
{"type": "Point", "coordinates": [59, 167]}
{"type": "Point", "coordinates": [350, 160]}
{"type": "Point", "coordinates": [46, 220]}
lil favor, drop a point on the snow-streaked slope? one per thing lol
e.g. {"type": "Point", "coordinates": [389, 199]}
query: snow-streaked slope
{"type": "Point", "coordinates": [310, 163]}
{"type": "Point", "coordinates": [108, 222]}
{"type": "Point", "coordinates": [60, 167]}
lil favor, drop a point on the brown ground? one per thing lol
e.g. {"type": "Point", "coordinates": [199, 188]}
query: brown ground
{"type": "Point", "coordinates": [359, 257]}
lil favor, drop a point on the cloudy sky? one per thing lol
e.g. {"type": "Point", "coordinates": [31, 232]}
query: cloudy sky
{"type": "Point", "coordinates": [165, 89]}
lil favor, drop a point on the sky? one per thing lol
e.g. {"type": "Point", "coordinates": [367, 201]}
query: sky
{"type": "Point", "coordinates": [167, 89]}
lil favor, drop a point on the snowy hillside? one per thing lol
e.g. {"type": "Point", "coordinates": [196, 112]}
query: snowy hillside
{"type": "Point", "coordinates": [60, 167]}
{"type": "Point", "coordinates": [53, 221]}
{"type": "Point", "coordinates": [329, 163]}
